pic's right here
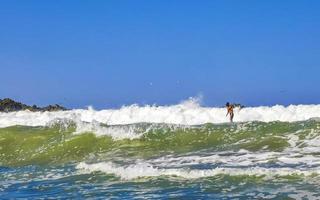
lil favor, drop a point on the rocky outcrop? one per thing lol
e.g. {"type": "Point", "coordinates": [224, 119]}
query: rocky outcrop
{"type": "Point", "coordinates": [9, 105]}
{"type": "Point", "coordinates": [54, 107]}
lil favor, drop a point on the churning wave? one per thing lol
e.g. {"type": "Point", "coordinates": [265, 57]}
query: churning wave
{"type": "Point", "coordinates": [189, 112]}
{"type": "Point", "coordinates": [177, 144]}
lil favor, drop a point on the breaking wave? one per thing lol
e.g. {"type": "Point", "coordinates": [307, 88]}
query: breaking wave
{"type": "Point", "coordinates": [64, 142]}
{"type": "Point", "coordinates": [187, 113]}
{"type": "Point", "coordinates": [185, 140]}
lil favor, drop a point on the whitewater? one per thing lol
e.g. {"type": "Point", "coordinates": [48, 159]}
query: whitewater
{"type": "Point", "coordinates": [162, 152]}
{"type": "Point", "coordinates": [186, 113]}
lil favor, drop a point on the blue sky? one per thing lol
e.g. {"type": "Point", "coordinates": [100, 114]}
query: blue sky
{"type": "Point", "coordinates": [111, 53]}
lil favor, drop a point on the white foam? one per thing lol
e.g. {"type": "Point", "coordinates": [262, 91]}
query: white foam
{"type": "Point", "coordinates": [186, 113]}
{"type": "Point", "coordinates": [292, 161]}
{"type": "Point", "coordinates": [233, 159]}
{"type": "Point", "coordinates": [116, 132]}
{"type": "Point", "coordinates": [142, 169]}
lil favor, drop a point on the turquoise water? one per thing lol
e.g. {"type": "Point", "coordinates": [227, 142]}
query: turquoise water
{"type": "Point", "coordinates": [64, 182]}
{"type": "Point", "coordinates": [248, 160]}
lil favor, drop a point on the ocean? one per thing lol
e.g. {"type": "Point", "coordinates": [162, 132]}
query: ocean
{"type": "Point", "coordinates": [182, 151]}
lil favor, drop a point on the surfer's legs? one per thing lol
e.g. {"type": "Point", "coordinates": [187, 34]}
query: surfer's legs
{"type": "Point", "coordinates": [231, 117]}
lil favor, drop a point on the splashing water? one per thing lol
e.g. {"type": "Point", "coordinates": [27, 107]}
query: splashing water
{"type": "Point", "coordinates": [162, 152]}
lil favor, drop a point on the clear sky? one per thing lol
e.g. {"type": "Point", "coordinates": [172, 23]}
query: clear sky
{"type": "Point", "coordinates": [111, 53]}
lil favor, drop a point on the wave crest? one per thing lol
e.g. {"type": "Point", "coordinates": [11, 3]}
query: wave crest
{"type": "Point", "coordinates": [187, 113]}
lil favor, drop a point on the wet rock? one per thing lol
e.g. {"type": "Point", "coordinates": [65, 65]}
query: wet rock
{"type": "Point", "coordinates": [54, 107]}
{"type": "Point", "coordinates": [9, 105]}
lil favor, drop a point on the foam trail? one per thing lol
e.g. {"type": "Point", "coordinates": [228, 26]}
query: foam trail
{"type": "Point", "coordinates": [186, 113]}
{"type": "Point", "coordinates": [139, 170]}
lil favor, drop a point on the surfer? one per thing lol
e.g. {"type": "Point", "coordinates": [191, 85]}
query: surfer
{"type": "Point", "coordinates": [230, 111]}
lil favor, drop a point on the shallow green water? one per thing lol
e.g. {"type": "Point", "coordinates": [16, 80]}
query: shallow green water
{"type": "Point", "coordinates": [251, 160]}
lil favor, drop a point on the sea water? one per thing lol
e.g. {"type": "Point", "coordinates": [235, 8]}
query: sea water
{"type": "Point", "coordinates": [183, 151]}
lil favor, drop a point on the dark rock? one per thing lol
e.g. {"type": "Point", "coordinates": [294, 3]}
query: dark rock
{"type": "Point", "coordinates": [55, 107]}
{"type": "Point", "coordinates": [9, 105]}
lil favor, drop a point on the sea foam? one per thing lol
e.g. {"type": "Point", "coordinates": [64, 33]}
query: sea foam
{"type": "Point", "coordinates": [140, 170]}
{"type": "Point", "coordinates": [186, 113]}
